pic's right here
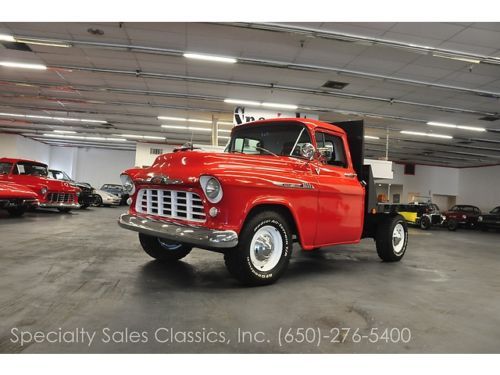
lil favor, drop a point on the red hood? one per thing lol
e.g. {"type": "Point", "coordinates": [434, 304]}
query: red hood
{"type": "Point", "coordinates": [12, 190]}
{"type": "Point", "coordinates": [37, 182]}
{"type": "Point", "coordinates": [187, 166]}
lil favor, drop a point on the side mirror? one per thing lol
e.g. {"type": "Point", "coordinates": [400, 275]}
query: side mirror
{"type": "Point", "coordinates": [307, 151]}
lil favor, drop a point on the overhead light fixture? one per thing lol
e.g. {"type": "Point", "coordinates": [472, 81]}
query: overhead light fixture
{"type": "Point", "coordinates": [223, 137]}
{"type": "Point", "coordinates": [43, 42]}
{"type": "Point", "coordinates": [199, 56]}
{"type": "Point", "coordinates": [426, 134]}
{"type": "Point", "coordinates": [224, 130]}
{"type": "Point", "coordinates": [280, 106]}
{"type": "Point", "coordinates": [53, 118]}
{"type": "Point", "coordinates": [153, 137]}
{"type": "Point", "coordinates": [9, 64]}
{"type": "Point", "coordinates": [371, 137]}
{"type": "Point", "coordinates": [457, 57]}
{"type": "Point", "coordinates": [239, 101]}
{"type": "Point", "coordinates": [136, 136]}
{"type": "Point", "coordinates": [199, 121]}
{"type": "Point", "coordinates": [171, 118]}
{"type": "Point", "coordinates": [7, 38]}
{"type": "Point", "coordinates": [86, 138]}
{"type": "Point", "coordinates": [224, 123]}
{"type": "Point", "coordinates": [192, 128]}
{"type": "Point", "coordinates": [65, 131]}
{"type": "Point", "coordinates": [463, 127]}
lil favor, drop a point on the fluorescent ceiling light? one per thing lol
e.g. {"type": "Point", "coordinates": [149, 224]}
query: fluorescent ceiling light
{"type": "Point", "coordinates": [224, 123]}
{"type": "Point", "coordinates": [171, 118]}
{"type": "Point", "coordinates": [238, 101]}
{"type": "Point", "coordinates": [65, 131]}
{"type": "Point", "coordinates": [7, 38]}
{"type": "Point", "coordinates": [463, 127]}
{"type": "Point", "coordinates": [43, 42]}
{"type": "Point", "coordinates": [87, 138]}
{"type": "Point", "coordinates": [457, 57]}
{"type": "Point", "coordinates": [9, 64]}
{"type": "Point", "coordinates": [473, 128]}
{"type": "Point", "coordinates": [426, 134]}
{"type": "Point", "coordinates": [199, 56]}
{"type": "Point", "coordinates": [371, 137]}
{"type": "Point", "coordinates": [223, 137]}
{"type": "Point", "coordinates": [52, 118]}
{"type": "Point", "coordinates": [136, 136]}
{"type": "Point", "coordinates": [192, 128]}
{"type": "Point", "coordinates": [224, 131]}
{"type": "Point", "coordinates": [199, 121]}
{"type": "Point", "coordinates": [278, 105]}
{"type": "Point", "coordinates": [153, 137]}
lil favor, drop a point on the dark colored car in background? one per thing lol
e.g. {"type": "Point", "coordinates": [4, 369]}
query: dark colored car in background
{"type": "Point", "coordinates": [463, 215]}
{"type": "Point", "coordinates": [117, 190]}
{"type": "Point", "coordinates": [490, 221]}
{"type": "Point", "coordinates": [87, 196]}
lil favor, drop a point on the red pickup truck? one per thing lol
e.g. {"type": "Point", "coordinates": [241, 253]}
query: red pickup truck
{"type": "Point", "coordinates": [16, 199]}
{"type": "Point", "coordinates": [278, 181]}
{"type": "Point", "coordinates": [34, 175]}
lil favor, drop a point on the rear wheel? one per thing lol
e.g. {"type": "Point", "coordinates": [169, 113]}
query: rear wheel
{"type": "Point", "coordinates": [16, 211]}
{"type": "Point", "coordinates": [98, 201]}
{"type": "Point", "coordinates": [392, 238]}
{"type": "Point", "coordinates": [452, 225]}
{"type": "Point", "coordinates": [425, 223]}
{"type": "Point", "coordinates": [162, 249]}
{"type": "Point", "coordinates": [263, 252]}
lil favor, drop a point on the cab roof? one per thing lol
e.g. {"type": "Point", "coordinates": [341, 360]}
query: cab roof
{"type": "Point", "coordinates": [16, 160]}
{"type": "Point", "coordinates": [310, 123]}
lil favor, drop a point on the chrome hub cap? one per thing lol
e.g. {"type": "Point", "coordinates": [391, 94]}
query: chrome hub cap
{"type": "Point", "coordinates": [266, 248]}
{"type": "Point", "coordinates": [398, 238]}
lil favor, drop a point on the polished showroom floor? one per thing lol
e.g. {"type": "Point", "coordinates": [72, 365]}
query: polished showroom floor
{"type": "Point", "coordinates": [67, 273]}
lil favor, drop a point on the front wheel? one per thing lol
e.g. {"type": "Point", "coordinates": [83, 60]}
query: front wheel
{"type": "Point", "coordinates": [162, 249]}
{"type": "Point", "coordinates": [98, 201]}
{"type": "Point", "coordinates": [452, 225]}
{"type": "Point", "coordinates": [392, 239]}
{"type": "Point", "coordinates": [425, 223]}
{"type": "Point", "coordinates": [263, 252]}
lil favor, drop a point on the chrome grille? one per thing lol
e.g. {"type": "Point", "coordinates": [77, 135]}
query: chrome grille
{"type": "Point", "coordinates": [56, 197]}
{"type": "Point", "coordinates": [173, 204]}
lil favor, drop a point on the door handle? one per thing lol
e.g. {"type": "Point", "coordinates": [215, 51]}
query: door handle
{"type": "Point", "coordinates": [350, 175]}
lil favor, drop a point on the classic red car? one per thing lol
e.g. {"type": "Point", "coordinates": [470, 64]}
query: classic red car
{"type": "Point", "coordinates": [462, 215]}
{"type": "Point", "coordinates": [32, 174]}
{"type": "Point", "coordinates": [16, 199]}
{"type": "Point", "coordinates": [278, 181]}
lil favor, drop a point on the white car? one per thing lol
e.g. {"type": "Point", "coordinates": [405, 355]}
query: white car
{"type": "Point", "coordinates": [106, 199]}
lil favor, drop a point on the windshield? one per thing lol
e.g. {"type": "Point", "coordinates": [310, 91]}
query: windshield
{"type": "Point", "coordinates": [59, 175]}
{"type": "Point", "coordinates": [5, 168]}
{"type": "Point", "coordinates": [278, 138]}
{"type": "Point", "coordinates": [32, 169]}
{"type": "Point", "coordinates": [496, 210]}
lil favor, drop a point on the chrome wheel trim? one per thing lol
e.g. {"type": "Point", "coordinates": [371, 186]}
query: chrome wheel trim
{"type": "Point", "coordinates": [398, 239]}
{"type": "Point", "coordinates": [169, 245]}
{"type": "Point", "coordinates": [266, 248]}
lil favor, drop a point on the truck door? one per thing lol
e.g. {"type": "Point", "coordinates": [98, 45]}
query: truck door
{"type": "Point", "coordinates": [341, 197]}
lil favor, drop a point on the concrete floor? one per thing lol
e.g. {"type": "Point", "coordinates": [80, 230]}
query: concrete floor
{"type": "Point", "coordinates": [59, 273]}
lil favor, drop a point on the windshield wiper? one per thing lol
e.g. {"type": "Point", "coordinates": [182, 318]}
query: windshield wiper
{"type": "Point", "coordinates": [263, 149]}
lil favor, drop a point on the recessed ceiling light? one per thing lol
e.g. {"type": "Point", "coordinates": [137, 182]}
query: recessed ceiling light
{"type": "Point", "coordinates": [371, 137]}
{"type": "Point", "coordinates": [153, 137]}
{"type": "Point", "coordinates": [239, 101]}
{"type": "Point", "coordinates": [199, 56]}
{"type": "Point", "coordinates": [52, 118]}
{"type": "Point", "coordinates": [9, 64]}
{"type": "Point", "coordinates": [280, 106]}
{"type": "Point", "coordinates": [224, 131]}
{"type": "Point", "coordinates": [65, 131]}
{"type": "Point", "coordinates": [87, 138]}
{"type": "Point", "coordinates": [426, 134]}
{"type": "Point", "coordinates": [192, 128]}
{"type": "Point", "coordinates": [473, 128]}
{"type": "Point", "coordinates": [463, 127]}
{"type": "Point", "coordinates": [224, 123]}
{"type": "Point", "coordinates": [199, 121]}
{"type": "Point", "coordinates": [223, 137]}
{"type": "Point", "coordinates": [171, 118]}
{"type": "Point", "coordinates": [442, 124]}
{"type": "Point", "coordinates": [174, 127]}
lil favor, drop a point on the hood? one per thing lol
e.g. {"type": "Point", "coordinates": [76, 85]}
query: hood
{"type": "Point", "coordinates": [186, 166]}
{"type": "Point", "coordinates": [36, 183]}
{"type": "Point", "coordinates": [103, 193]}
{"type": "Point", "coordinates": [12, 190]}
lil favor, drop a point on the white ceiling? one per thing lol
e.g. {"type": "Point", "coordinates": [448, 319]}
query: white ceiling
{"type": "Point", "coordinates": [407, 88]}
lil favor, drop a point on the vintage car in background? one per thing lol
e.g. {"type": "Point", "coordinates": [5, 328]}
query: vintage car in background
{"type": "Point", "coordinates": [462, 215]}
{"type": "Point", "coordinates": [16, 199]}
{"type": "Point", "coordinates": [34, 175]}
{"type": "Point", "coordinates": [106, 199]}
{"type": "Point", "coordinates": [87, 196]}
{"type": "Point", "coordinates": [424, 215]}
{"type": "Point", "coordinates": [278, 182]}
{"type": "Point", "coordinates": [490, 220]}
{"type": "Point", "coordinates": [116, 189]}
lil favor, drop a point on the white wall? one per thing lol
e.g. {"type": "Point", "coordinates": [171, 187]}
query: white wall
{"type": "Point", "coordinates": [16, 146]}
{"type": "Point", "coordinates": [480, 187]}
{"type": "Point", "coordinates": [143, 156]}
{"type": "Point", "coordinates": [100, 166]}
{"type": "Point", "coordinates": [64, 159]}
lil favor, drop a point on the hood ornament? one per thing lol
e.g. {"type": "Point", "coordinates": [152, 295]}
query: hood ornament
{"type": "Point", "coordinates": [162, 180]}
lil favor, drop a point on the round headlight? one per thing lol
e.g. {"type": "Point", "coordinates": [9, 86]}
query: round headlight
{"type": "Point", "coordinates": [480, 218]}
{"type": "Point", "coordinates": [212, 188]}
{"type": "Point", "coordinates": [43, 190]}
{"type": "Point", "coordinates": [464, 217]}
{"type": "Point", "coordinates": [128, 184]}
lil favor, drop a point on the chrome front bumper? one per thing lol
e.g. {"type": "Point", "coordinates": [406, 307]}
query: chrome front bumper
{"type": "Point", "coordinates": [59, 205]}
{"type": "Point", "coordinates": [198, 236]}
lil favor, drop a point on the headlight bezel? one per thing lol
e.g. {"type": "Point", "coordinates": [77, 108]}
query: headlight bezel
{"type": "Point", "coordinates": [210, 184]}
{"type": "Point", "coordinates": [44, 190]}
{"type": "Point", "coordinates": [128, 184]}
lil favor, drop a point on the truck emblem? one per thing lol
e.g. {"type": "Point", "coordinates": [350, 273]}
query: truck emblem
{"type": "Point", "coordinates": [163, 180]}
